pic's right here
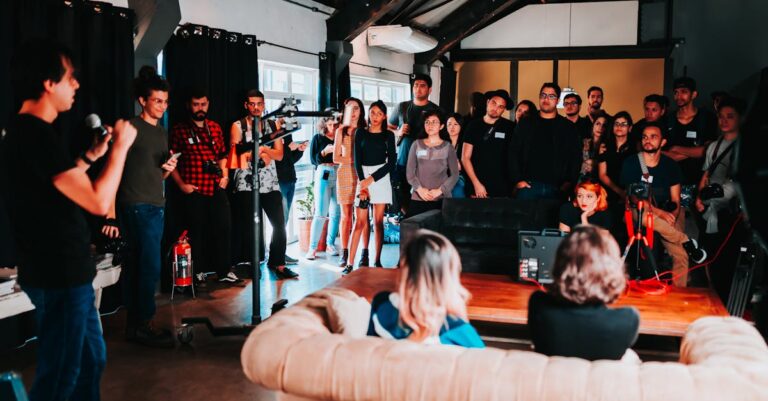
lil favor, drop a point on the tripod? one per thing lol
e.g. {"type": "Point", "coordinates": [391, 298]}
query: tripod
{"type": "Point", "coordinates": [643, 242]}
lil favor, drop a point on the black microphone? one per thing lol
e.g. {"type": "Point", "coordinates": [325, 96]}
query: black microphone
{"type": "Point", "coordinates": [93, 123]}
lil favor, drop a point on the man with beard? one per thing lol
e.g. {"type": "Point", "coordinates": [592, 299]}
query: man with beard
{"type": "Point", "coordinates": [655, 110]}
{"type": "Point", "coordinates": [691, 130]}
{"type": "Point", "coordinates": [545, 155]}
{"type": "Point", "coordinates": [202, 177]}
{"type": "Point", "coordinates": [595, 103]}
{"type": "Point", "coordinates": [663, 176]}
{"type": "Point", "coordinates": [572, 105]}
{"type": "Point", "coordinates": [486, 148]}
{"type": "Point", "coordinates": [408, 124]}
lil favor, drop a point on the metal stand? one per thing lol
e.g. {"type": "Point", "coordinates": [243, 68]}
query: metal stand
{"type": "Point", "coordinates": [640, 240]}
{"type": "Point", "coordinates": [741, 286]}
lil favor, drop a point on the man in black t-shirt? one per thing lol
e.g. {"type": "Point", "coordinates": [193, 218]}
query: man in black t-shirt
{"type": "Point", "coordinates": [664, 177]}
{"type": "Point", "coordinates": [46, 192]}
{"type": "Point", "coordinates": [486, 149]}
{"type": "Point", "coordinates": [595, 99]}
{"type": "Point", "coordinates": [655, 111]}
{"type": "Point", "coordinates": [407, 123]}
{"type": "Point", "coordinates": [572, 105]}
{"type": "Point", "coordinates": [691, 130]}
{"type": "Point", "coordinates": [545, 154]}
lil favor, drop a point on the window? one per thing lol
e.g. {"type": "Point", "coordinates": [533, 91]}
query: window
{"type": "Point", "coordinates": [370, 90]}
{"type": "Point", "coordinates": [278, 81]}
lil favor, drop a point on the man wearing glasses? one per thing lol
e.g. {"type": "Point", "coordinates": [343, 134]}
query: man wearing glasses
{"type": "Point", "coordinates": [545, 154]}
{"type": "Point", "coordinates": [572, 105]}
{"type": "Point", "coordinates": [486, 148]}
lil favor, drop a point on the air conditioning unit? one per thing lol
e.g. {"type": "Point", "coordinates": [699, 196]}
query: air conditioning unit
{"type": "Point", "coordinates": [400, 39]}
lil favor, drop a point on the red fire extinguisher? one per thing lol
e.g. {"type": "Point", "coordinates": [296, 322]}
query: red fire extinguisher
{"type": "Point", "coordinates": [182, 262]}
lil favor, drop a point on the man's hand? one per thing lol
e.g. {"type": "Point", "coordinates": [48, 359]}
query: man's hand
{"type": "Point", "coordinates": [424, 194]}
{"type": "Point", "coordinates": [480, 191]}
{"type": "Point", "coordinates": [302, 146]}
{"type": "Point", "coordinates": [223, 182]}
{"type": "Point", "coordinates": [188, 188]}
{"type": "Point", "coordinates": [700, 205]}
{"type": "Point", "coordinates": [124, 134]}
{"type": "Point", "coordinates": [170, 164]}
{"type": "Point", "coordinates": [100, 145]}
{"type": "Point", "coordinates": [110, 229]}
{"type": "Point", "coordinates": [404, 130]}
{"type": "Point", "coordinates": [665, 215]}
{"type": "Point", "coordinates": [522, 184]}
{"type": "Point", "coordinates": [364, 184]}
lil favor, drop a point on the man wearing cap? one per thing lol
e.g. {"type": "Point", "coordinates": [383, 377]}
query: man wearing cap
{"type": "Point", "coordinates": [545, 154]}
{"type": "Point", "coordinates": [487, 147]}
{"type": "Point", "coordinates": [408, 124]}
{"type": "Point", "coordinates": [691, 130]}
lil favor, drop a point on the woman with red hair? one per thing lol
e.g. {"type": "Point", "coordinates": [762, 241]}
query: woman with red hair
{"type": "Point", "coordinates": [589, 207]}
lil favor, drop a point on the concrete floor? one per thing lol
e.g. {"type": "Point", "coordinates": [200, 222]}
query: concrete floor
{"type": "Point", "coordinates": [209, 368]}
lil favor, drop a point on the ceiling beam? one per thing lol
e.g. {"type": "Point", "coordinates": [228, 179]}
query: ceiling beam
{"type": "Point", "coordinates": [464, 21]}
{"type": "Point", "coordinates": [561, 53]}
{"type": "Point", "coordinates": [353, 19]}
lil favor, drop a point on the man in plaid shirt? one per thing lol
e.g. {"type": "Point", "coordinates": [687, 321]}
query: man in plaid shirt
{"type": "Point", "coordinates": [202, 177]}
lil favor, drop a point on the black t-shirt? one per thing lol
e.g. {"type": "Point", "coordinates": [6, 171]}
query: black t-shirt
{"type": "Point", "coordinates": [545, 150]}
{"type": "Point", "coordinates": [663, 176]}
{"type": "Point", "coordinates": [319, 142]}
{"type": "Point", "coordinates": [142, 180]}
{"type": "Point", "coordinates": [373, 150]}
{"type": "Point", "coordinates": [591, 332]}
{"type": "Point", "coordinates": [490, 144]}
{"type": "Point", "coordinates": [614, 160]}
{"type": "Point", "coordinates": [583, 127]}
{"type": "Point", "coordinates": [570, 215]}
{"type": "Point", "coordinates": [285, 170]}
{"type": "Point", "coordinates": [409, 113]}
{"type": "Point", "coordinates": [701, 130]}
{"type": "Point", "coordinates": [50, 230]}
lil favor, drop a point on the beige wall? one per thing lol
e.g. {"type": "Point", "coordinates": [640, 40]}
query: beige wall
{"type": "Point", "coordinates": [479, 76]}
{"type": "Point", "coordinates": [531, 74]}
{"type": "Point", "coordinates": [625, 81]}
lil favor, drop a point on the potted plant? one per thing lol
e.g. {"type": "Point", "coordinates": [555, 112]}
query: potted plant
{"type": "Point", "coordinates": [306, 211]}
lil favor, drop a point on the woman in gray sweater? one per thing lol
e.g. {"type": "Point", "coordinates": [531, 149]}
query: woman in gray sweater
{"type": "Point", "coordinates": [433, 168]}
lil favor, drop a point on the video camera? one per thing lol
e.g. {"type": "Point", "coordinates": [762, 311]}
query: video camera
{"type": "Point", "coordinates": [639, 191]}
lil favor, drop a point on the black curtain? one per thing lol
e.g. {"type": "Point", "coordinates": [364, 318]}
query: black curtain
{"type": "Point", "coordinates": [224, 64]}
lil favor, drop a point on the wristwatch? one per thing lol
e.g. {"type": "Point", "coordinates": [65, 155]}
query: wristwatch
{"type": "Point", "coordinates": [85, 159]}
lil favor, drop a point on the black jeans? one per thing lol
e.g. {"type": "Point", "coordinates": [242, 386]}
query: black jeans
{"type": "Point", "coordinates": [208, 220]}
{"type": "Point", "coordinates": [272, 205]}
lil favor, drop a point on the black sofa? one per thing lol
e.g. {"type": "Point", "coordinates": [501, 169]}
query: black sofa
{"type": "Point", "coordinates": [485, 230]}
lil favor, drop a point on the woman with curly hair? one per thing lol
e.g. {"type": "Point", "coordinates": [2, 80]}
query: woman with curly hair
{"type": "Point", "coordinates": [590, 206]}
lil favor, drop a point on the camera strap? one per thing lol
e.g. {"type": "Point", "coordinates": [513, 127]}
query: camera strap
{"type": "Point", "coordinates": [643, 166]}
{"type": "Point", "coordinates": [720, 157]}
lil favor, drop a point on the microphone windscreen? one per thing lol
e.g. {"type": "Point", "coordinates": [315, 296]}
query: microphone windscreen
{"type": "Point", "coordinates": [92, 121]}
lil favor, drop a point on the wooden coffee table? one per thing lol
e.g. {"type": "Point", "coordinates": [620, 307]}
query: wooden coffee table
{"type": "Point", "coordinates": [500, 299]}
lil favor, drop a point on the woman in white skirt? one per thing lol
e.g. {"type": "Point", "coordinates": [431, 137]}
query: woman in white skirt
{"type": "Point", "coordinates": [375, 158]}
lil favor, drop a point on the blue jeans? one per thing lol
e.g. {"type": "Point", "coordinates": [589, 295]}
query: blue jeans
{"type": "Point", "coordinates": [458, 190]}
{"type": "Point", "coordinates": [142, 228]}
{"type": "Point", "coordinates": [538, 190]}
{"type": "Point", "coordinates": [326, 205]}
{"type": "Point", "coordinates": [287, 189]}
{"type": "Point", "coordinates": [71, 353]}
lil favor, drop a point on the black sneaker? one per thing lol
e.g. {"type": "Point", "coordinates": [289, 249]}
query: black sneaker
{"type": "Point", "coordinates": [377, 264]}
{"type": "Point", "coordinates": [364, 259]}
{"type": "Point", "coordinates": [152, 336]}
{"type": "Point", "coordinates": [696, 254]}
{"type": "Point", "coordinates": [285, 273]}
{"type": "Point", "coordinates": [347, 270]}
{"type": "Point", "coordinates": [291, 261]}
{"type": "Point", "coordinates": [343, 257]}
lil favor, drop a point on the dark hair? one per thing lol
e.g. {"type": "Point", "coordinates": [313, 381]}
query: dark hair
{"type": "Point", "coordinates": [595, 88]}
{"type": "Point", "coordinates": [531, 107]}
{"type": "Point", "coordinates": [197, 93]}
{"type": "Point", "coordinates": [381, 106]}
{"type": "Point", "coordinates": [253, 93]}
{"type": "Point", "coordinates": [422, 77]}
{"type": "Point", "coordinates": [456, 116]}
{"type": "Point", "coordinates": [552, 85]}
{"type": "Point", "coordinates": [656, 98]}
{"type": "Point", "coordinates": [361, 117]}
{"type": "Point", "coordinates": [664, 133]}
{"type": "Point", "coordinates": [719, 94]}
{"type": "Point", "coordinates": [623, 114]}
{"type": "Point", "coordinates": [574, 96]}
{"type": "Point", "coordinates": [34, 63]}
{"type": "Point", "coordinates": [686, 83]}
{"type": "Point", "coordinates": [478, 104]}
{"type": "Point", "coordinates": [735, 103]}
{"type": "Point", "coordinates": [148, 81]}
{"type": "Point", "coordinates": [443, 132]}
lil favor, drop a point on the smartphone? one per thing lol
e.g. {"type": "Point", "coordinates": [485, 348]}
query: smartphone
{"type": "Point", "coordinates": [347, 121]}
{"type": "Point", "coordinates": [175, 156]}
{"type": "Point", "coordinates": [301, 142]}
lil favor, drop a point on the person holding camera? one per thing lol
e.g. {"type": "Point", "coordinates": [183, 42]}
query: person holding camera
{"type": "Point", "coordinates": [655, 178]}
{"type": "Point", "coordinates": [270, 198]}
{"type": "Point", "coordinates": [202, 177]}
{"type": "Point", "coordinates": [374, 161]}
{"type": "Point", "coordinates": [48, 192]}
{"type": "Point", "coordinates": [716, 189]}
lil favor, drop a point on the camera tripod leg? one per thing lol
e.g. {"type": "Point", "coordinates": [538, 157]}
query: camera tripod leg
{"type": "Point", "coordinates": [651, 258]}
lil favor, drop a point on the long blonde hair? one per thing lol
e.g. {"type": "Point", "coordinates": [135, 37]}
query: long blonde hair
{"type": "Point", "coordinates": [430, 288]}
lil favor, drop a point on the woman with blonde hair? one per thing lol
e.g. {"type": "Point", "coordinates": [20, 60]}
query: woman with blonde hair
{"type": "Point", "coordinates": [572, 318]}
{"type": "Point", "coordinates": [430, 305]}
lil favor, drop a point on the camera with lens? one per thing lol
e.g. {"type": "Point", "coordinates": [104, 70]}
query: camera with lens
{"type": "Point", "coordinates": [362, 203]}
{"type": "Point", "coordinates": [712, 191]}
{"type": "Point", "coordinates": [211, 167]}
{"type": "Point", "coordinates": [639, 190]}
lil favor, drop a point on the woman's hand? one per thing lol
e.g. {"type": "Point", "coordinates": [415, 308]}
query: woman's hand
{"type": "Point", "coordinates": [480, 191]}
{"type": "Point", "coordinates": [424, 194]}
{"type": "Point", "coordinates": [364, 184]}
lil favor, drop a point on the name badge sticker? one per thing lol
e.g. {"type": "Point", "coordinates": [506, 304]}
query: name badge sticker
{"type": "Point", "coordinates": [500, 135]}
{"type": "Point", "coordinates": [690, 134]}
{"type": "Point", "coordinates": [648, 180]}
{"type": "Point", "coordinates": [421, 153]}
{"type": "Point", "coordinates": [191, 141]}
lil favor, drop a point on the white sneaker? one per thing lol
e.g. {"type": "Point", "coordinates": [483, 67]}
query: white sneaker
{"type": "Point", "coordinates": [311, 255]}
{"type": "Point", "coordinates": [331, 250]}
{"type": "Point", "coordinates": [230, 278]}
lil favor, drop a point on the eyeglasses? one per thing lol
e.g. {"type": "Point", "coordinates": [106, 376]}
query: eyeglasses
{"type": "Point", "coordinates": [571, 103]}
{"type": "Point", "coordinates": [431, 122]}
{"type": "Point", "coordinates": [621, 124]}
{"type": "Point", "coordinates": [551, 96]}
